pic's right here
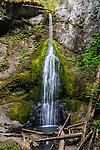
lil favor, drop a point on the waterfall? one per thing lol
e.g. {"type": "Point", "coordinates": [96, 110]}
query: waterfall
{"type": "Point", "coordinates": [51, 82]}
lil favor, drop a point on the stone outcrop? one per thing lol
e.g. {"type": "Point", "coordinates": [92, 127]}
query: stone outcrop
{"type": "Point", "coordinates": [5, 23]}
{"type": "Point", "coordinates": [75, 22]}
{"type": "Point", "coordinates": [16, 20]}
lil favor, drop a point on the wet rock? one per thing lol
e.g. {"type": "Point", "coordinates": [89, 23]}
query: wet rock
{"type": "Point", "coordinates": [36, 20]}
{"type": "Point", "coordinates": [36, 116]}
{"type": "Point", "coordinates": [15, 127]}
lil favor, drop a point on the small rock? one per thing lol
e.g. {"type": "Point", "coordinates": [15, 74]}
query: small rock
{"type": "Point", "coordinates": [15, 127]}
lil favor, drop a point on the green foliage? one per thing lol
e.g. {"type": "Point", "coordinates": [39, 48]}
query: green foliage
{"type": "Point", "coordinates": [80, 25]}
{"type": "Point", "coordinates": [9, 147]}
{"type": "Point", "coordinates": [48, 4]}
{"type": "Point", "coordinates": [23, 56]}
{"type": "Point", "coordinates": [95, 124]}
{"type": "Point", "coordinates": [4, 66]}
{"type": "Point", "coordinates": [91, 59]}
{"type": "Point", "coordinates": [82, 95]}
{"type": "Point", "coordinates": [73, 105]}
{"type": "Point", "coordinates": [19, 36]}
{"type": "Point", "coordinates": [25, 33]}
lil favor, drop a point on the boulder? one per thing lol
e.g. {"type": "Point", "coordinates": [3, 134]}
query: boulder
{"type": "Point", "coordinates": [15, 127]}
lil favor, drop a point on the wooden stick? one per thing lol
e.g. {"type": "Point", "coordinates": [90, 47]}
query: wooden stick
{"type": "Point", "coordinates": [11, 134]}
{"type": "Point", "coordinates": [84, 140]}
{"type": "Point", "coordinates": [66, 136]}
{"type": "Point", "coordinates": [91, 140]}
{"type": "Point", "coordinates": [76, 125]}
{"type": "Point", "coordinates": [62, 142]}
{"type": "Point", "coordinates": [56, 144]}
{"type": "Point", "coordinates": [64, 124]}
{"type": "Point", "coordinates": [37, 7]}
{"type": "Point", "coordinates": [93, 111]}
{"type": "Point", "coordinates": [77, 128]}
{"type": "Point", "coordinates": [40, 133]}
{"type": "Point", "coordinates": [97, 134]}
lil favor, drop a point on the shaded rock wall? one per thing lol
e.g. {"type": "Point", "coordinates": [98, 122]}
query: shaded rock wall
{"type": "Point", "coordinates": [75, 22]}
{"type": "Point", "coordinates": [19, 42]}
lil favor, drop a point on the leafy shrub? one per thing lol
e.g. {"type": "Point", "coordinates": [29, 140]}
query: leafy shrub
{"type": "Point", "coordinates": [90, 60]}
{"type": "Point", "coordinates": [9, 147]}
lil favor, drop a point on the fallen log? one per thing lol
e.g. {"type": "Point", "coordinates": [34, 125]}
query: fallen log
{"type": "Point", "coordinates": [64, 124]}
{"type": "Point", "coordinates": [39, 133]}
{"type": "Point", "coordinates": [91, 140]}
{"type": "Point", "coordinates": [66, 136]}
{"type": "Point", "coordinates": [76, 128]}
{"type": "Point", "coordinates": [76, 125]}
{"type": "Point", "coordinates": [11, 134]}
{"type": "Point", "coordinates": [84, 140]}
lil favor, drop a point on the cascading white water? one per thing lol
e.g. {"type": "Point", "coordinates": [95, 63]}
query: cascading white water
{"type": "Point", "coordinates": [51, 82]}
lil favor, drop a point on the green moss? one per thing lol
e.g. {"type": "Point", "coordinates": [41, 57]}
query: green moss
{"type": "Point", "coordinates": [66, 76]}
{"type": "Point", "coordinates": [77, 109]}
{"type": "Point", "coordinates": [20, 111]}
{"type": "Point", "coordinates": [32, 83]}
{"type": "Point", "coordinates": [73, 105]}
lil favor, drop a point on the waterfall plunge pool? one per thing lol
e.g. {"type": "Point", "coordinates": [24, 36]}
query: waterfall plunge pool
{"type": "Point", "coordinates": [47, 128]}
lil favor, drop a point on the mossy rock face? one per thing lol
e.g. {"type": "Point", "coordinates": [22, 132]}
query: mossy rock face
{"type": "Point", "coordinates": [32, 81]}
{"type": "Point", "coordinates": [77, 109]}
{"type": "Point", "coordinates": [66, 77]}
{"type": "Point", "coordinates": [20, 111]}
